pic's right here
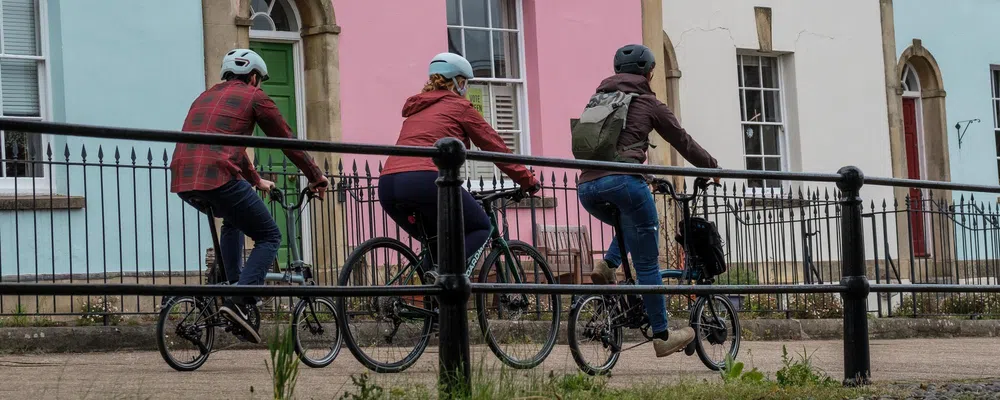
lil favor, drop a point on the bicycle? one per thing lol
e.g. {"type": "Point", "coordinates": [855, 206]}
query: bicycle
{"type": "Point", "coordinates": [604, 324]}
{"type": "Point", "coordinates": [200, 333]}
{"type": "Point", "coordinates": [363, 328]}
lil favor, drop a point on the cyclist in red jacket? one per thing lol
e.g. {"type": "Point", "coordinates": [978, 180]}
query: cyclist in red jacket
{"type": "Point", "coordinates": [440, 110]}
{"type": "Point", "coordinates": [223, 178]}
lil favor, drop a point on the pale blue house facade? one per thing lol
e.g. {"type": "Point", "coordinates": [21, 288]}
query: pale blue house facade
{"type": "Point", "coordinates": [964, 39]}
{"type": "Point", "coordinates": [129, 63]}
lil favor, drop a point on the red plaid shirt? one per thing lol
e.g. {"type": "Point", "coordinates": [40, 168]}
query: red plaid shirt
{"type": "Point", "coordinates": [231, 107]}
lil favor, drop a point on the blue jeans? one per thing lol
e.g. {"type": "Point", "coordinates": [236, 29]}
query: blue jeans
{"type": "Point", "coordinates": [243, 213]}
{"type": "Point", "coordinates": [640, 226]}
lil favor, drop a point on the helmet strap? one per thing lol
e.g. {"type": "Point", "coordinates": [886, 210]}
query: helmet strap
{"type": "Point", "coordinates": [460, 90]}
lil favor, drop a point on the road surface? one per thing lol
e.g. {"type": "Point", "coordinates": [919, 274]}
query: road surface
{"type": "Point", "coordinates": [231, 374]}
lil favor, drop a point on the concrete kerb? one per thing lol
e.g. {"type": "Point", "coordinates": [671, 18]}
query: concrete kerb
{"type": "Point", "coordinates": [143, 337]}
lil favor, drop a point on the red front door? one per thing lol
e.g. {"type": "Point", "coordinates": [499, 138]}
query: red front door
{"type": "Point", "coordinates": [918, 238]}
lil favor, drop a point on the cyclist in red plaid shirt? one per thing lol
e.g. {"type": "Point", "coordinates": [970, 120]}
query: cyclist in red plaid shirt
{"type": "Point", "coordinates": [224, 178]}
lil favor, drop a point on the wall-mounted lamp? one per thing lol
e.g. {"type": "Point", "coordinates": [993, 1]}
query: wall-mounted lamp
{"type": "Point", "coordinates": [961, 132]}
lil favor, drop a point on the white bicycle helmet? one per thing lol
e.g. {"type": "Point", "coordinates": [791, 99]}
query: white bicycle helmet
{"type": "Point", "coordinates": [450, 66]}
{"type": "Point", "coordinates": [242, 62]}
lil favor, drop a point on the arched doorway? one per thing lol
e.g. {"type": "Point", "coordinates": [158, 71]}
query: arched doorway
{"type": "Point", "coordinates": [914, 151]}
{"type": "Point", "coordinates": [920, 149]}
{"type": "Point", "coordinates": [307, 30]}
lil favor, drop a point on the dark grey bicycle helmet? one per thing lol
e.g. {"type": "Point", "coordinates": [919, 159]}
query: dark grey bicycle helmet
{"type": "Point", "coordinates": [634, 59]}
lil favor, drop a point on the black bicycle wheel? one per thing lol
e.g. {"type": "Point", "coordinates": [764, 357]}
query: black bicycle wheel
{"type": "Point", "coordinates": [714, 327]}
{"type": "Point", "coordinates": [185, 332]}
{"type": "Point", "coordinates": [520, 329]}
{"type": "Point", "coordinates": [388, 333]}
{"type": "Point", "coordinates": [316, 332]}
{"type": "Point", "coordinates": [595, 339]}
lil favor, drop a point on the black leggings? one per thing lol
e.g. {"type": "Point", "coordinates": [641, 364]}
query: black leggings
{"type": "Point", "coordinates": [401, 194]}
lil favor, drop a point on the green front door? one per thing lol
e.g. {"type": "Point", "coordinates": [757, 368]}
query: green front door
{"type": "Point", "coordinates": [273, 163]}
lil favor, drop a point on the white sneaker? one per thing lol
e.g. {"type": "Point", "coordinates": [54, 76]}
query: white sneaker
{"type": "Point", "coordinates": [603, 274]}
{"type": "Point", "coordinates": [676, 341]}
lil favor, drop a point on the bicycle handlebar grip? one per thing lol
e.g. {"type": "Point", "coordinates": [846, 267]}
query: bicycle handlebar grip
{"type": "Point", "coordinates": [276, 195]}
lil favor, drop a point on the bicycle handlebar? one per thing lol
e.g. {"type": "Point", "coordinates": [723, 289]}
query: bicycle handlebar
{"type": "Point", "coordinates": [514, 194]}
{"type": "Point", "coordinates": [664, 186]}
{"type": "Point", "coordinates": [278, 197]}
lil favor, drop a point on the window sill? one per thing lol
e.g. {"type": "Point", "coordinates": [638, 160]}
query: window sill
{"type": "Point", "coordinates": [776, 202]}
{"type": "Point", "coordinates": [41, 202]}
{"type": "Point", "coordinates": [539, 202]}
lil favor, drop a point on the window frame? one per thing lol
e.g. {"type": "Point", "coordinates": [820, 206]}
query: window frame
{"type": "Point", "coordinates": [520, 85]}
{"type": "Point", "coordinates": [38, 184]}
{"type": "Point", "coordinates": [783, 148]}
{"type": "Point", "coordinates": [994, 105]}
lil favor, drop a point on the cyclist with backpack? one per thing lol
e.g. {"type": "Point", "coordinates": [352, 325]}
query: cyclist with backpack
{"type": "Point", "coordinates": [440, 110]}
{"type": "Point", "coordinates": [223, 178]}
{"type": "Point", "coordinates": [615, 126]}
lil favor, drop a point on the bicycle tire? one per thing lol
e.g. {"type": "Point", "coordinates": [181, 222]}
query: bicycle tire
{"type": "Point", "coordinates": [516, 246]}
{"type": "Point", "coordinates": [574, 336]}
{"type": "Point", "coordinates": [700, 333]}
{"type": "Point", "coordinates": [355, 260]}
{"type": "Point", "coordinates": [161, 344]}
{"type": "Point", "coordinates": [300, 309]}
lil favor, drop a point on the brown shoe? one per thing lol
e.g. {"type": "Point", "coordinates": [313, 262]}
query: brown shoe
{"type": "Point", "coordinates": [603, 274]}
{"type": "Point", "coordinates": [676, 341]}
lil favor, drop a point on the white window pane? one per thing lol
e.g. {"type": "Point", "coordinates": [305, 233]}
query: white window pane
{"type": "Point", "coordinates": [503, 14]}
{"type": "Point", "coordinates": [262, 23]}
{"type": "Point", "coordinates": [477, 51]}
{"type": "Point", "coordinates": [452, 7]}
{"type": "Point", "coordinates": [19, 150]}
{"type": "Point", "coordinates": [505, 55]}
{"type": "Point", "coordinates": [771, 140]}
{"type": "Point", "coordinates": [755, 164]}
{"type": "Point", "coordinates": [455, 41]}
{"type": "Point", "coordinates": [772, 164]}
{"type": "Point", "coordinates": [751, 140]}
{"type": "Point", "coordinates": [751, 71]}
{"type": "Point", "coordinates": [284, 17]}
{"type": "Point", "coordinates": [996, 113]}
{"type": "Point", "coordinates": [754, 111]}
{"type": "Point", "coordinates": [772, 106]}
{"type": "Point", "coordinates": [258, 6]}
{"type": "Point", "coordinates": [474, 13]}
{"type": "Point", "coordinates": [20, 27]}
{"type": "Point", "coordinates": [19, 80]}
{"type": "Point", "coordinates": [769, 71]}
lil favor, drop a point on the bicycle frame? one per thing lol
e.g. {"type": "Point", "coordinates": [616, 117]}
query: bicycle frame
{"type": "Point", "coordinates": [496, 240]}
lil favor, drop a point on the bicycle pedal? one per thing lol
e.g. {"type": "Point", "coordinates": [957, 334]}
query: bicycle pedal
{"type": "Point", "coordinates": [689, 350]}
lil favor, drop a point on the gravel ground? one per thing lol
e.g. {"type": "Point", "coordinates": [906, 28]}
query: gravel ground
{"type": "Point", "coordinates": [987, 389]}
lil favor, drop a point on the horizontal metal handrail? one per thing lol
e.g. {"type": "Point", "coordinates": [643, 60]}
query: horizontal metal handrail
{"type": "Point", "coordinates": [43, 127]}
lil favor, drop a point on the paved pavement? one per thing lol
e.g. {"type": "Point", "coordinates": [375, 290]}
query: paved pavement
{"type": "Point", "coordinates": [231, 374]}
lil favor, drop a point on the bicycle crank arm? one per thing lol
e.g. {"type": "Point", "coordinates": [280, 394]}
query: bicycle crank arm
{"type": "Point", "coordinates": [636, 345]}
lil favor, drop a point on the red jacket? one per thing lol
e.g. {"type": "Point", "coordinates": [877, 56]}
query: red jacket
{"type": "Point", "coordinates": [439, 114]}
{"type": "Point", "coordinates": [233, 108]}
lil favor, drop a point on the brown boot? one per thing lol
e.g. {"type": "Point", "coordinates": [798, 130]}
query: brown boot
{"type": "Point", "coordinates": [676, 341]}
{"type": "Point", "coordinates": [603, 274]}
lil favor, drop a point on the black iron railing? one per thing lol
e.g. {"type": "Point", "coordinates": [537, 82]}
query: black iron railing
{"type": "Point", "coordinates": [453, 287]}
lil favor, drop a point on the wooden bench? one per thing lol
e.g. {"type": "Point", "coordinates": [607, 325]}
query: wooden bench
{"type": "Point", "coordinates": [568, 251]}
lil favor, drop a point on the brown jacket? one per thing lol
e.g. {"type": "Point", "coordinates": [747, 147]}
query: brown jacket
{"type": "Point", "coordinates": [645, 114]}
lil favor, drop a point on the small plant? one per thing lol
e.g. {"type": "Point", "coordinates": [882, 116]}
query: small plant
{"type": "Point", "coordinates": [284, 366]}
{"type": "Point", "coordinates": [920, 305]}
{"type": "Point", "coordinates": [761, 306]}
{"type": "Point", "coordinates": [733, 373]}
{"type": "Point", "coordinates": [367, 390]}
{"type": "Point", "coordinates": [800, 372]}
{"type": "Point", "coordinates": [97, 310]}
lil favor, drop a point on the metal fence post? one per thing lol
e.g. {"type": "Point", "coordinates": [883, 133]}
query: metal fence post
{"type": "Point", "coordinates": [454, 377]}
{"type": "Point", "coordinates": [857, 359]}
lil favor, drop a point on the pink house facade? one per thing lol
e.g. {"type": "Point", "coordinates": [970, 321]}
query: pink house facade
{"type": "Point", "coordinates": [537, 62]}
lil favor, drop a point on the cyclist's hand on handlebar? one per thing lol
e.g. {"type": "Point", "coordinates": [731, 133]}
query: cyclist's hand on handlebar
{"type": "Point", "coordinates": [319, 187]}
{"type": "Point", "coordinates": [716, 180]}
{"type": "Point", "coordinates": [532, 188]}
{"type": "Point", "coordinates": [265, 185]}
